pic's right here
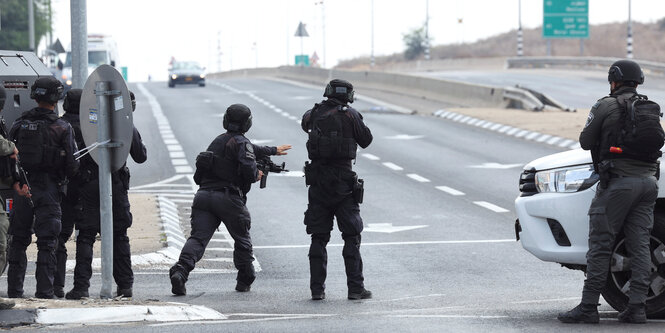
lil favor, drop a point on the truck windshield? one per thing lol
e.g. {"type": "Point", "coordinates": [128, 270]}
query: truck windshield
{"type": "Point", "coordinates": [95, 58]}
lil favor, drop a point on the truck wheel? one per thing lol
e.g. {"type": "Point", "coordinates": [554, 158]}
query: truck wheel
{"type": "Point", "coordinates": [617, 286]}
{"type": "Point", "coordinates": [171, 84]}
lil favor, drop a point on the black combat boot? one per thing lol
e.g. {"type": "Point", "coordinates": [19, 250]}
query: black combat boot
{"type": "Point", "coordinates": [318, 295]}
{"type": "Point", "coordinates": [242, 287]}
{"type": "Point", "coordinates": [363, 294]}
{"type": "Point", "coordinates": [77, 294]}
{"type": "Point", "coordinates": [124, 292]}
{"type": "Point", "coordinates": [634, 314]}
{"type": "Point", "coordinates": [583, 313]}
{"type": "Point", "coordinates": [58, 291]}
{"type": "Point", "coordinates": [178, 276]}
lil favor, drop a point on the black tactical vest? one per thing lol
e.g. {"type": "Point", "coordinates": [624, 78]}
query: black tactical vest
{"type": "Point", "coordinates": [215, 169]}
{"type": "Point", "coordinates": [331, 134]}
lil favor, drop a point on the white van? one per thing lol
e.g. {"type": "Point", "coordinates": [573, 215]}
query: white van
{"type": "Point", "coordinates": [556, 192]}
{"type": "Point", "coordinates": [102, 49]}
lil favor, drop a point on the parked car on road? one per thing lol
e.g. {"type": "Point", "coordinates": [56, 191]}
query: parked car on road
{"type": "Point", "coordinates": [186, 72]}
{"type": "Point", "coordinates": [556, 192]}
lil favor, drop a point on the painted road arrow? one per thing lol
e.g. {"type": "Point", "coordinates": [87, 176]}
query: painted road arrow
{"type": "Point", "coordinates": [388, 228]}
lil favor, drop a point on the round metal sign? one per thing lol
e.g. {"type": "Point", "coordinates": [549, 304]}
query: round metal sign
{"type": "Point", "coordinates": [120, 115]}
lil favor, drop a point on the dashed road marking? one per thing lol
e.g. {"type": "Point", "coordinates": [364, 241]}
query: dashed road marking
{"type": "Point", "coordinates": [449, 190]}
{"type": "Point", "coordinates": [371, 157]}
{"type": "Point", "coordinates": [392, 166]}
{"type": "Point", "coordinates": [418, 178]}
{"type": "Point", "coordinates": [491, 207]}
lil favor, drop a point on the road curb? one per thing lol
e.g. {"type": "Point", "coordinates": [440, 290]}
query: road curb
{"type": "Point", "coordinates": [508, 130]}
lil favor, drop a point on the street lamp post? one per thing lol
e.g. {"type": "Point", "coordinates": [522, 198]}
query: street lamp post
{"type": "Point", "coordinates": [427, 46]}
{"type": "Point", "coordinates": [629, 39]}
{"type": "Point", "coordinates": [519, 30]}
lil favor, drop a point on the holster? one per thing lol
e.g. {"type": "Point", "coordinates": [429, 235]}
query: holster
{"type": "Point", "coordinates": [358, 190]}
{"type": "Point", "coordinates": [310, 173]}
{"type": "Point", "coordinates": [604, 172]}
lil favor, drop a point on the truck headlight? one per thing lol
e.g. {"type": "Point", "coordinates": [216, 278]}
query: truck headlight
{"type": "Point", "coordinates": [566, 180]}
{"type": "Point", "coordinates": [174, 76]}
{"type": "Point", "coordinates": [203, 76]}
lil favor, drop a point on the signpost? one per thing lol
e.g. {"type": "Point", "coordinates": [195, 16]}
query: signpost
{"type": "Point", "coordinates": [106, 123]}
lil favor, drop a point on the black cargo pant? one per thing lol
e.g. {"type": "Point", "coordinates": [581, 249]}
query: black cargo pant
{"type": "Point", "coordinates": [324, 204]}
{"type": "Point", "coordinates": [209, 209]}
{"type": "Point", "coordinates": [626, 204]}
{"type": "Point", "coordinates": [90, 227]}
{"type": "Point", "coordinates": [44, 220]}
{"type": "Point", "coordinates": [72, 214]}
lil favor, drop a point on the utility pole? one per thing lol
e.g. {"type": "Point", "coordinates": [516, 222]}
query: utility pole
{"type": "Point", "coordinates": [31, 26]}
{"type": "Point", "coordinates": [79, 43]}
{"type": "Point", "coordinates": [629, 39]}
{"type": "Point", "coordinates": [427, 46]}
{"type": "Point", "coordinates": [371, 59]}
{"type": "Point", "coordinates": [520, 46]}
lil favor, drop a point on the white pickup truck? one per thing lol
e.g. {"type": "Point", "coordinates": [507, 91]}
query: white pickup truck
{"type": "Point", "coordinates": [553, 224]}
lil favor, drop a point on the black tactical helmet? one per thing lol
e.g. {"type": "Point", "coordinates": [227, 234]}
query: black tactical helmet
{"type": "Point", "coordinates": [46, 89]}
{"type": "Point", "coordinates": [3, 96]}
{"type": "Point", "coordinates": [72, 101]}
{"type": "Point", "coordinates": [238, 118]}
{"type": "Point", "coordinates": [625, 71]}
{"type": "Point", "coordinates": [339, 89]}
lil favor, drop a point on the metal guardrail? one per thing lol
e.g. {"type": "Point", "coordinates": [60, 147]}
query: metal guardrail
{"type": "Point", "coordinates": [579, 62]}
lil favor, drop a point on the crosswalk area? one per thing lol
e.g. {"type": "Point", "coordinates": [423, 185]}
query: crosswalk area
{"type": "Point", "coordinates": [175, 196]}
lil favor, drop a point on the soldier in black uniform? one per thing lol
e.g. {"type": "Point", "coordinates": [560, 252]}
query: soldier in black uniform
{"type": "Point", "coordinates": [626, 195]}
{"type": "Point", "coordinates": [89, 226]}
{"type": "Point", "coordinates": [47, 145]}
{"type": "Point", "coordinates": [335, 132]}
{"type": "Point", "coordinates": [72, 210]}
{"type": "Point", "coordinates": [225, 173]}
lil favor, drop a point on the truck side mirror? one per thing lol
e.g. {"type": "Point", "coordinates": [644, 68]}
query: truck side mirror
{"type": "Point", "coordinates": [113, 63]}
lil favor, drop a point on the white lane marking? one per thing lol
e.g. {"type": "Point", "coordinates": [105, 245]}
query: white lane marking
{"type": "Point", "coordinates": [174, 147]}
{"type": "Point", "coordinates": [576, 145]}
{"type": "Point", "coordinates": [491, 207]}
{"type": "Point", "coordinates": [293, 117]}
{"type": "Point", "coordinates": [512, 131]}
{"type": "Point", "coordinates": [288, 174]}
{"type": "Point", "coordinates": [566, 142]}
{"type": "Point", "coordinates": [218, 259]}
{"type": "Point", "coordinates": [464, 119]}
{"type": "Point", "coordinates": [543, 137]}
{"type": "Point", "coordinates": [449, 316]}
{"type": "Point", "coordinates": [522, 133]}
{"type": "Point", "coordinates": [371, 157]}
{"type": "Point", "coordinates": [495, 127]}
{"type": "Point", "coordinates": [488, 124]}
{"type": "Point", "coordinates": [493, 165]}
{"type": "Point", "coordinates": [179, 161]}
{"type": "Point", "coordinates": [388, 228]}
{"type": "Point", "coordinates": [546, 300]}
{"type": "Point", "coordinates": [481, 123]}
{"type": "Point", "coordinates": [393, 166]}
{"type": "Point", "coordinates": [457, 117]}
{"type": "Point", "coordinates": [177, 154]}
{"type": "Point", "coordinates": [453, 242]}
{"type": "Point", "coordinates": [449, 190]}
{"type": "Point", "coordinates": [473, 121]}
{"type": "Point", "coordinates": [171, 141]}
{"type": "Point", "coordinates": [418, 178]}
{"type": "Point", "coordinates": [504, 129]}
{"type": "Point", "coordinates": [260, 142]}
{"type": "Point", "coordinates": [553, 140]}
{"type": "Point", "coordinates": [405, 137]}
{"type": "Point", "coordinates": [183, 169]}
{"type": "Point", "coordinates": [532, 135]}
{"type": "Point", "coordinates": [233, 321]}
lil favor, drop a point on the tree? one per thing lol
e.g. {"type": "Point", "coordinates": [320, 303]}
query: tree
{"type": "Point", "coordinates": [415, 42]}
{"type": "Point", "coordinates": [14, 33]}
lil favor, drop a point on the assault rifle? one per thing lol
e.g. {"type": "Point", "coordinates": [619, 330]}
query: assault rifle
{"type": "Point", "coordinates": [266, 165]}
{"type": "Point", "coordinates": [22, 178]}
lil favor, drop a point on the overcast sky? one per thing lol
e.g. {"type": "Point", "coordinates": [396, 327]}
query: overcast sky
{"type": "Point", "coordinates": [260, 33]}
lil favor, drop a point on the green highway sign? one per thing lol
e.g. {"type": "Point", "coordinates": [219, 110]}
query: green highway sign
{"type": "Point", "coordinates": [566, 19]}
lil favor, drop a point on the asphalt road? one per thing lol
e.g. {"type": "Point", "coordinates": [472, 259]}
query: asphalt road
{"type": "Point", "coordinates": [450, 262]}
{"type": "Point", "coordinates": [577, 89]}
